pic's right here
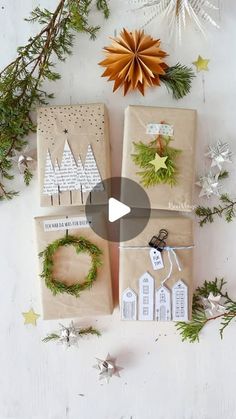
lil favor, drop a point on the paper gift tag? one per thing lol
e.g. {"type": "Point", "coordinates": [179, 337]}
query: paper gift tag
{"type": "Point", "coordinates": [161, 129]}
{"type": "Point", "coordinates": [156, 259]}
{"type": "Point", "coordinates": [180, 301]}
{"type": "Point", "coordinates": [146, 297]}
{"type": "Point", "coordinates": [129, 305]}
{"type": "Point", "coordinates": [163, 304]}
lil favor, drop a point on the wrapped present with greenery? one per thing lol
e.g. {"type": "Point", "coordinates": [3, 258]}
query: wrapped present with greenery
{"type": "Point", "coordinates": [158, 153]}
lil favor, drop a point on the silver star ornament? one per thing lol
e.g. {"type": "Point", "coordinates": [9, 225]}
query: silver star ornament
{"type": "Point", "coordinates": [213, 306]}
{"type": "Point", "coordinates": [219, 154]}
{"type": "Point", "coordinates": [69, 336]}
{"type": "Point", "coordinates": [107, 368]}
{"type": "Point", "coordinates": [209, 185]}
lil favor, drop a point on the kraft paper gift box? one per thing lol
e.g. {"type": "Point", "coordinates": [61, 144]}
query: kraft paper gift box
{"type": "Point", "coordinates": [141, 294]}
{"type": "Point", "coordinates": [139, 119]}
{"type": "Point", "coordinates": [73, 154]}
{"type": "Point", "coordinates": [71, 268]}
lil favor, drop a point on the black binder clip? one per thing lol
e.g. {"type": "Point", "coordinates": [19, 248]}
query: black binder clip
{"type": "Point", "coordinates": [158, 242]}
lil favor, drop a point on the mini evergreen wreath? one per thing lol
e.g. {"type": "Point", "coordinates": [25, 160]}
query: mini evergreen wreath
{"type": "Point", "coordinates": [158, 161]}
{"type": "Point", "coordinates": [81, 245]}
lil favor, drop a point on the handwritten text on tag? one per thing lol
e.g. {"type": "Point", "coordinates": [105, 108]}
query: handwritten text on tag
{"type": "Point", "coordinates": [156, 259]}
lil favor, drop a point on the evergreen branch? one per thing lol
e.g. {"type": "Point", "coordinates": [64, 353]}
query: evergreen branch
{"type": "Point", "coordinates": [89, 331]}
{"type": "Point", "coordinates": [178, 80]}
{"type": "Point", "coordinates": [191, 331]}
{"type": "Point", "coordinates": [224, 174]}
{"type": "Point", "coordinates": [51, 336]}
{"type": "Point", "coordinates": [146, 152]}
{"type": "Point", "coordinates": [226, 209]}
{"type": "Point", "coordinates": [28, 175]}
{"type": "Point", "coordinates": [21, 80]}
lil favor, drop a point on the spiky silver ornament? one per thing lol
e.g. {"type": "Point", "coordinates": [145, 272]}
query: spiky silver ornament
{"type": "Point", "coordinates": [219, 154]}
{"type": "Point", "coordinates": [209, 185]}
{"type": "Point", "coordinates": [178, 12]}
{"type": "Point", "coordinates": [107, 368]}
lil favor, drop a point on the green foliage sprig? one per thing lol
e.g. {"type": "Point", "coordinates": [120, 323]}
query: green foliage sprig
{"type": "Point", "coordinates": [178, 80]}
{"type": "Point", "coordinates": [226, 209]}
{"type": "Point", "coordinates": [82, 332]}
{"type": "Point", "coordinates": [190, 331]}
{"type": "Point", "coordinates": [21, 80]}
{"type": "Point", "coordinates": [81, 245]}
{"type": "Point", "coordinates": [146, 153]}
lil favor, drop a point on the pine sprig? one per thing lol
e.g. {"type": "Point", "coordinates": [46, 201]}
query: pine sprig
{"type": "Point", "coordinates": [226, 209]}
{"type": "Point", "coordinates": [178, 80]}
{"type": "Point", "coordinates": [190, 331]}
{"type": "Point", "coordinates": [146, 152]}
{"type": "Point", "coordinates": [79, 332]}
{"type": "Point", "coordinates": [22, 79]}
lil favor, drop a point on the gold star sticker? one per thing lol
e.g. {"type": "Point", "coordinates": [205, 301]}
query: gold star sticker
{"type": "Point", "coordinates": [158, 162]}
{"type": "Point", "coordinates": [31, 317]}
{"type": "Point", "coordinates": [201, 64]}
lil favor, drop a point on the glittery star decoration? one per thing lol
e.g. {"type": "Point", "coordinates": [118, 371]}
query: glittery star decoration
{"type": "Point", "coordinates": [213, 306]}
{"type": "Point", "coordinates": [220, 154]}
{"type": "Point", "coordinates": [209, 184]}
{"type": "Point", "coordinates": [31, 317]}
{"type": "Point", "coordinates": [158, 162]}
{"type": "Point", "coordinates": [201, 64]}
{"type": "Point", "coordinates": [107, 368]}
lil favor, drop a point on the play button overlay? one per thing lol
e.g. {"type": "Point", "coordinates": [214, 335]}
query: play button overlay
{"type": "Point", "coordinates": [116, 210]}
{"type": "Point", "coordinates": [126, 210]}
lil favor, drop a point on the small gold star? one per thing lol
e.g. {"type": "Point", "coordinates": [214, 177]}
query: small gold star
{"type": "Point", "coordinates": [201, 64]}
{"type": "Point", "coordinates": [158, 162]}
{"type": "Point", "coordinates": [31, 317]}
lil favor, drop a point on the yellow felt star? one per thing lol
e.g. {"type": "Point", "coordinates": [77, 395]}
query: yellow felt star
{"type": "Point", "coordinates": [158, 162]}
{"type": "Point", "coordinates": [31, 317]}
{"type": "Point", "coordinates": [201, 64]}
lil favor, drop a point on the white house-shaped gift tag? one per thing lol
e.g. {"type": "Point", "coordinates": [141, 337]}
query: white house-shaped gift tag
{"type": "Point", "coordinates": [129, 305]}
{"type": "Point", "coordinates": [156, 259]}
{"type": "Point", "coordinates": [180, 301]}
{"type": "Point", "coordinates": [146, 297]}
{"type": "Point", "coordinates": [163, 304]}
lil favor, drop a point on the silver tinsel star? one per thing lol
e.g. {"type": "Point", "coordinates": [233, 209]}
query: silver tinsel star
{"type": "Point", "coordinates": [212, 305]}
{"type": "Point", "coordinates": [107, 368]}
{"type": "Point", "coordinates": [178, 12]}
{"type": "Point", "coordinates": [209, 184]}
{"type": "Point", "coordinates": [219, 154]}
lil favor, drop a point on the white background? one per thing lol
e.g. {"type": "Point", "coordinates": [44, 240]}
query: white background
{"type": "Point", "coordinates": [161, 379]}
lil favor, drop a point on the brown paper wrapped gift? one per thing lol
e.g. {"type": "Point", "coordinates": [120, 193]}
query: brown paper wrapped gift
{"type": "Point", "coordinates": [71, 268]}
{"type": "Point", "coordinates": [162, 196]}
{"type": "Point", "coordinates": [135, 259]}
{"type": "Point", "coordinates": [73, 154]}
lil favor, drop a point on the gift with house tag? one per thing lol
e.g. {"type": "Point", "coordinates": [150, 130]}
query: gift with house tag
{"type": "Point", "coordinates": [161, 291]}
{"type": "Point", "coordinates": [73, 154]}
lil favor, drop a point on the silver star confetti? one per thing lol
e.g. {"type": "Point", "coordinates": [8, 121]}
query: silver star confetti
{"type": "Point", "coordinates": [209, 184]}
{"type": "Point", "coordinates": [219, 154]}
{"type": "Point", "coordinates": [107, 368]}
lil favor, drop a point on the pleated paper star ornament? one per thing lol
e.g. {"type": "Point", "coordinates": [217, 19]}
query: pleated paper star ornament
{"type": "Point", "coordinates": [178, 13]}
{"type": "Point", "coordinates": [209, 185]}
{"type": "Point", "coordinates": [107, 368]}
{"type": "Point", "coordinates": [219, 154]}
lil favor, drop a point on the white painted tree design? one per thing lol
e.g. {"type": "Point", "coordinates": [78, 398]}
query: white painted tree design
{"type": "Point", "coordinates": [92, 172]}
{"type": "Point", "coordinates": [50, 183]}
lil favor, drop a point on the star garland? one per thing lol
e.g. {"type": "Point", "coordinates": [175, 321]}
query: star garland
{"type": "Point", "coordinates": [81, 245]}
{"type": "Point", "coordinates": [158, 161]}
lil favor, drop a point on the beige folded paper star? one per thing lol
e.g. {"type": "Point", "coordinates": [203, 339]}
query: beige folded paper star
{"type": "Point", "coordinates": [107, 368]}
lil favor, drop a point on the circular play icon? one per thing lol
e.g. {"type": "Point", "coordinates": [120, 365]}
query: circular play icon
{"type": "Point", "coordinates": [126, 200]}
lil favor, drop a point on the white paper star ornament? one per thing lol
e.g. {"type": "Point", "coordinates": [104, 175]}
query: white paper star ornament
{"type": "Point", "coordinates": [209, 185]}
{"type": "Point", "coordinates": [107, 368]}
{"type": "Point", "coordinates": [219, 154]}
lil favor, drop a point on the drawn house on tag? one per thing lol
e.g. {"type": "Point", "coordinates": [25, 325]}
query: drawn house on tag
{"type": "Point", "coordinates": [146, 297]}
{"type": "Point", "coordinates": [163, 304]}
{"type": "Point", "coordinates": [129, 305]}
{"type": "Point", "coordinates": [180, 301]}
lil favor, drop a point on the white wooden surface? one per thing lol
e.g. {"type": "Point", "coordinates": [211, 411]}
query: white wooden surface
{"type": "Point", "coordinates": [163, 379]}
